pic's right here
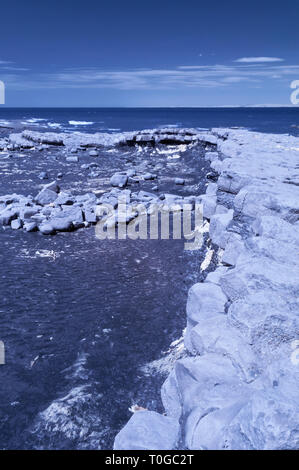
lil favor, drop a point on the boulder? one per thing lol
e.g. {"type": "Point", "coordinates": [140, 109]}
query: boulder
{"type": "Point", "coordinates": [8, 214]}
{"type": "Point", "coordinates": [131, 172]}
{"type": "Point", "coordinates": [179, 181]}
{"type": "Point", "coordinates": [43, 175]}
{"type": "Point", "coordinates": [16, 224]}
{"type": "Point", "coordinates": [233, 249]}
{"type": "Point", "coordinates": [204, 300]}
{"type": "Point", "coordinates": [148, 430]}
{"type": "Point", "coordinates": [30, 226]}
{"type": "Point", "coordinates": [216, 335]}
{"type": "Point", "coordinates": [64, 199]}
{"type": "Point", "coordinates": [93, 153]}
{"type": "Point", "coordinates": [218, 225]}
{"type": "Point", "coordinates": [209, 203]}
{"type": "Point", "coordinates": [61, 224]}
{"type": "Point", "coordinates": [46, 228]}
{"type": "Point", "coordinates": [28, 211]}
{"type": "Point", "coordinates": [90, 216]}
{"type": "Point", "coordinates": [170, 396]}
{"type": "Point", "coordinates": [268, 421]}
{"type": "Point", "coordinates": [252, 274]}
{"type": "Point", "coordinates": [46, 196]}
{"type": "Point", "coordinates": [119, 180]}
{"type": "Point", "coordinates": [149, 176]}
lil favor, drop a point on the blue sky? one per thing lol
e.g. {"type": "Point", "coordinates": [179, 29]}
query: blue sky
{"type": "Point", "coordinates": [148, 53]}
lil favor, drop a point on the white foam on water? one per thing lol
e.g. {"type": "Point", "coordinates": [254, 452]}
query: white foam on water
{"type": "Point", "coordinates": [170, 126]}
{"type": "Point", "coordinates": [54, 125]}
{"type": "Point", "coordinates": [35, 120]}
{"type": "Point", "coordinates": [165, 364]}
{"type": "Point", "coordinates": [80, 123]}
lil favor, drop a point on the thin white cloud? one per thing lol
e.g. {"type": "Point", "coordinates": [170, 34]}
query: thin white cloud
{"type": "Point", "coordinates": [250, 60]}
{"type": "Point", "coordinates": [183, 76]}
{"type": "Point", "coordinates": [13, 69]}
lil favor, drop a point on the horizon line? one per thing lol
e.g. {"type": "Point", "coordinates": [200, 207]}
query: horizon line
{"type": "Point", "coordinates": [154, 107]}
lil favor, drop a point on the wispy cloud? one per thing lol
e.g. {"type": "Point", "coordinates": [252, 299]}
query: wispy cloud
{"type": "Point", "coordinates": [250, 60]}
{"type": "Point", "coordinates": [183, 76]}
{"type": "Point", "coordinates": [13, 69]}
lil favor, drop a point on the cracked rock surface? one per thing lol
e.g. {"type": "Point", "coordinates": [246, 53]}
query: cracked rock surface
{"type": "Point", "coordinates": [238, 387]}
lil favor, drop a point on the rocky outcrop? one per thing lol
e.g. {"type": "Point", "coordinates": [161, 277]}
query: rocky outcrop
{"type": "Point", "coordinates": [238, 387]}
{"type": "Point", "coordinates": [53, 210]}
{"type": "Point", "coordinates": [29, 139]}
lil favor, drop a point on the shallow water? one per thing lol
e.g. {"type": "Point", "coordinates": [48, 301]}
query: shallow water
{"type": "Point", "coordinates": [83, 319]}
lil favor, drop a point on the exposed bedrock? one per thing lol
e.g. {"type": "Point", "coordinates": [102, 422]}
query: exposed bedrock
{"type": "Point", "coordinates": [238, 387]}
{"type": "Point", "coordinates": [73, 141]}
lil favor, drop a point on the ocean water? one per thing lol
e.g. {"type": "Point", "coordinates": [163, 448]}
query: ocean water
{"type": "Point", "coordinates": [276, 120]}
{"type": "Point", "coordinates": [88, 324]}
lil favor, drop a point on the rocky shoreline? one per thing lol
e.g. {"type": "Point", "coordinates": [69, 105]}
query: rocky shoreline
{"type": "Point", "coordinates": [238, 387]}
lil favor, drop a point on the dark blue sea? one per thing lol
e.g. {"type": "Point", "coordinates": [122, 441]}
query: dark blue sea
{"type": "Point", "coordinates": [276, 120]}
{"type": "Point", "coordinates": [88, 324]}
